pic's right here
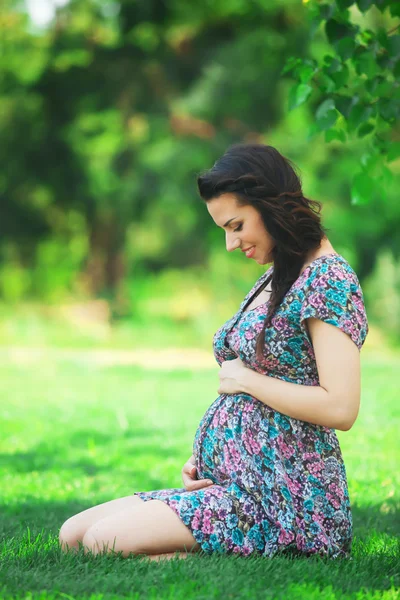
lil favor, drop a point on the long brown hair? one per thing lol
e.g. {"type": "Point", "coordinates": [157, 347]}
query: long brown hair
{"type": "Point", "coordinates": [260, 176]}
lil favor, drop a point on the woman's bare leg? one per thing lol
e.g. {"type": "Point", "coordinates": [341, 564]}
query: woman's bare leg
{"type": "Point", "coordinates": [73, 530]}
{"type": "Point", "coordinates": [152, 528]}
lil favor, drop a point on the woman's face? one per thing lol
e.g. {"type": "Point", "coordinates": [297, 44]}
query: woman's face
{"type": "Point", "coordinates": [243, 227]}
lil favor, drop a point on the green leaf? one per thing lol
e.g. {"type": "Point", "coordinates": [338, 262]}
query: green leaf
{"type": "Point", "coordinates": [379, 86]}
{"type": "Point", "coordinates": [384, 61]}
{"type": "Point", "coordinates": [305, 73]}
{"type": "Point", "coordinates": [314, 26]}
{"type": "Point", "coordinates": [394, 45]}
{"type": "Point", "coordinates": [367, 36]}
{"type": "Point", "coordinates": [393, 151]}
{"type": "Point", "coordinates": [344, 104]}
{"type": "Point", "coordinates": [345, 47]}
{"type": "Point", "coordinates": [382, 4]}
{"type": "Point", "coordinates": [326, 83]}
{"type": "Point", "coordinates": [327, 121]}
{"type": "Point", "coordinates": [382, 126]}
{"type": "Point", "coordinates": [364, 5]}
{"type": "Point", "coordinates": [365, 64]}
{"type": "Point", "coordinates": [324, 108]}
{"type": "Point", "coordinates": [335, 134]}
{"type": "Point", "coordinates": [326, 115]}
{"type": "Point", "coordinates": [332, 64]}
{"type": "Point", "coordinates": [395, 94]}
{"type": "Point", "coordinates": [381, 144]}
{"type": "Point", "coordinates": [365, 129]}
{"type": "Point", "coordinates": [335, 30]}
{"type": "Point", "coordinates": [313, 131]}
{"type": "Point", "coordinates": [395, 9]}
{"type": "Point", "coordinates": [291, 63]}
{"type": "Point", "coordinates": [341, 77]}
{"type": "Point", "coordinates": [302, 69]}
{"type": "Point", "coordinates": [358, 114]}
{"type": "Point", "coordinates": [389, 109]}
{"type": "Point", "coordinates": [383, 39]}
{"type": "Point", "coordinates": [326, 11]}
{"type": "Point", "coordinates": [298, 95]}
{"type": "Point", "coordinates": [362, 189]}
{"type": "Point", "coordinates": [386, 178]}
{"type": "Point", "coordinates": [343, 4]}
{"type": "Point", "coordinates": [369, 159]}
{"type": "Point", "coordinates": [384, 88]}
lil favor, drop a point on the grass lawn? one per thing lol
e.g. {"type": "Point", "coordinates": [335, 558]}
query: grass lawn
{"type": "Point", "coordinates": [77, 433]}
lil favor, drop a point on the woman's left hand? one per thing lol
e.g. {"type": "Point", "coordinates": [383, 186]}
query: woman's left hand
{"type": "Point", "coordinates": [230, 376]}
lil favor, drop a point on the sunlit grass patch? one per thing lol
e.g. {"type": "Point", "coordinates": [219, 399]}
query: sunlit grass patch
{"type": "Point", "coordinates": [78, 434]}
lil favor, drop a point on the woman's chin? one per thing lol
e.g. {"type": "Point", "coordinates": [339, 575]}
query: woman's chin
{"type": "Point", "coordinates": [265, 261]}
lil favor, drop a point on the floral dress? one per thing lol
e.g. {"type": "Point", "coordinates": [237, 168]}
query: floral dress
{"type": "Point", "coordinates": [279, 483]}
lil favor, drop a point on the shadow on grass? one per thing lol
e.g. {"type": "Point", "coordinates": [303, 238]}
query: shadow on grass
{"type": "Point", "coordinates": [383, 518]}
{"type": "Point", "coordinates": [53, 455]}
{"type": "Point", "coordinates": [41, 516]}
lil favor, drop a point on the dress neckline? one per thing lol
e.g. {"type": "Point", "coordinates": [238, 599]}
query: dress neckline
{"type": "Point", "coordinates": [236, 318]}
{"type": "Point", "coordinates": [261, 280]}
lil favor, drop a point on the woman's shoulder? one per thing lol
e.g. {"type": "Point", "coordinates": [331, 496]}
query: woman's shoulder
{"type": "Point", "coordinates": [328, 270]}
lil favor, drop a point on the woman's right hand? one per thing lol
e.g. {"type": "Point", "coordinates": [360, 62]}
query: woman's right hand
{"type": "Point", "coordinates": [189, 477]}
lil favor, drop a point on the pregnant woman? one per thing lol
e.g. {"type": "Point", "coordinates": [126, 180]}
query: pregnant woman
{"type": "Point", "coordinates": [266, 475]}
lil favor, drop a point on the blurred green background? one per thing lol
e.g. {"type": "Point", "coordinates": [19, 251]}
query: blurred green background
{"type": "Point", "coordinates": [108, 111]}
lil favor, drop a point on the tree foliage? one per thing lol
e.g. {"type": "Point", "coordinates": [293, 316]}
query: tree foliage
{"type": "Point", "coordinates": [354, 89]}
{"type": "Point", "coordinates": [107, 122]}
{"type": "Point", "coordinates": [108, 114]}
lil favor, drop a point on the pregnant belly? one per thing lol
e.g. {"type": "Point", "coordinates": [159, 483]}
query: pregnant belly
{"type": "Point", "coordinates": [292, 469]}
{"type": "Point", "coordinates": [227, 445]}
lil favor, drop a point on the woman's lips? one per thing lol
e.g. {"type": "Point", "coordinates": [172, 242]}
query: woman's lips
{"type": "Point", "coordinates": [250, 251]}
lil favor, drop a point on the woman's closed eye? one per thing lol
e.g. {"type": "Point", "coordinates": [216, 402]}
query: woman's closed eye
{"type": "Point", "coordinates": [239, 227]}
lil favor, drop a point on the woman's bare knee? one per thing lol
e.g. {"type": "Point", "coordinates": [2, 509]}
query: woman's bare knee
{"type": "Point", "coordinates": [90, 544]}
{"type": "Point", "coordinates": [74, 529]}
{"type": "Point", "coordinates": [70, 535]}
{"type": "Point", "coordinates": [153, 528]}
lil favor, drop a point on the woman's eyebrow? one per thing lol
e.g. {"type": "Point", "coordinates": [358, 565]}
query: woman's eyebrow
{"type": "Point", "coordinates": [227, 223]}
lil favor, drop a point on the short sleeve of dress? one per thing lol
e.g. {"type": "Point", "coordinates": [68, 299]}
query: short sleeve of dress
{"type": "Point", "coordinates": [332, 293]}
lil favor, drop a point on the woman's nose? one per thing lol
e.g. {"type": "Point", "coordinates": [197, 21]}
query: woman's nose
{"type": "Point", "coordinates": [232, 243]}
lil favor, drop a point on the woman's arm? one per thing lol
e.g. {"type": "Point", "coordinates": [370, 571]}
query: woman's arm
{"type": "Point", "coordinates": [335, 402]}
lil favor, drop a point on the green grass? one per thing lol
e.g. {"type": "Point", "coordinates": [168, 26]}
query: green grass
{"type": "Point", "coordinates": [74, 435]}
{"type": "Point", "coordinates": [42, 326]}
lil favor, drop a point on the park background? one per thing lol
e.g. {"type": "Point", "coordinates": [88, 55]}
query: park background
{"type": "Point", "coordinates": [113, 276]}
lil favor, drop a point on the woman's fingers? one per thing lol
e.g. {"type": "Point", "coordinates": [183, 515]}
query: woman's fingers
{"type": "Point", "coordinates": [188, 471]}
{"type": "Point", "coordinates": [198, 484]}
{"type": "Point", "coordinates": [190, 481]}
